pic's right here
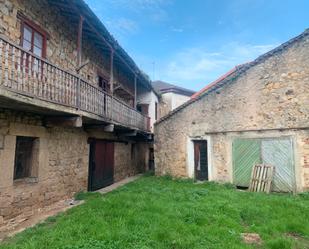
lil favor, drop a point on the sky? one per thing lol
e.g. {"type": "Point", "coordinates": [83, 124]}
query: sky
{"type": "Point", "coordinates": [191, 43]}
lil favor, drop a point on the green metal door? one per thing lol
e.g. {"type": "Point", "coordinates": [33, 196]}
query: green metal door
{"type": "Point", "coordinates": [279, 153]}
{"type": "Point", "coordinates": [246, 153]}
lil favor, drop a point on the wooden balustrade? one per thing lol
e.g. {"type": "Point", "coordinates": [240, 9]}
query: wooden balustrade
{"type": "Point", "coordinates": [27, 74]}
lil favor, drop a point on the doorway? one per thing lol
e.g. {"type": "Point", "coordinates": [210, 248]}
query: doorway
{"type": "Point", "coordinates": [201, 160]}
{"type": "Point", "coordinates": [101, 164]}
{"type": "Point", "coordinates": [277, 152]}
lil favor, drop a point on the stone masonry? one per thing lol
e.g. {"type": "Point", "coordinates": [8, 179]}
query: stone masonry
{"type": "Point", "coordinates": [62, 42]}
{"type": "Point", "coordinates": [62, 171]}
{"type": "Point", "coordinates": [63, 163]}
{"type": "Point", "coordinates": [269, 99]}
{"type": "Point", "coordinates": [61, 154]}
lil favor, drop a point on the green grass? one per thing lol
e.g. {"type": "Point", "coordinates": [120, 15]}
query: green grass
{"type": "Point", "coordinates": [163, 213]}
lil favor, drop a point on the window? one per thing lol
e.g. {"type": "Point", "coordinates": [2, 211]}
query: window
{"type": "Point", "coordinates": [139, 108]}
{"type": "Point", "coordinates": [143, 109]}
{"type": "Point", "coordinates": [156, 111]}
{"type": "Point", "coordinates": [33, 40]}
{"type": "Point", "coordinates": [103, 83]}
{"type": "Point", "coordinates": [26, 157]}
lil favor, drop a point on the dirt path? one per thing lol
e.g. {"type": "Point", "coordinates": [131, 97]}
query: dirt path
{"type": "Point", "coordinates": [118, 184]}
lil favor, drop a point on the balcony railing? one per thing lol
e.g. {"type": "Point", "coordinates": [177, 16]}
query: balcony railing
{"type": "Point", "coordinates": [27, 74]}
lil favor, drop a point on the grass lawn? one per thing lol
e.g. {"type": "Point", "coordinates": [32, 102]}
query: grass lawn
{"type": "Point", "coordinates": [163, 213]}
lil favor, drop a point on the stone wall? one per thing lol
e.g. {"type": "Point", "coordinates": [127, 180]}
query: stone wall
{"type": "Point", "coordinates": [273, 94]}
{"type": "Point", "coordinates": [165, 104]}
{"type": "Point", "coordinates": [62, 42]}
{"type": "Point", "coordinates": [62, 164]}
{"type": "Point", "coordinates": [130, 159]}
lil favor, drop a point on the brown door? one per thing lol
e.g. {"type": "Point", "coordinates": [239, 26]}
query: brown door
{"type": "Point", "coordinates": [200, 160]}
{"type": "Point", "coordinates": [101, 164]}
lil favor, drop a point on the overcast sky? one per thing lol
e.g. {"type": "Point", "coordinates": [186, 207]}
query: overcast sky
{"type": "Point", "coordinates": [192, 42]}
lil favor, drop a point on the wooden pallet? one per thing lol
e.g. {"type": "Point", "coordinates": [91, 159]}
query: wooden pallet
{"type": "Point", "coordinates": [261, 178]}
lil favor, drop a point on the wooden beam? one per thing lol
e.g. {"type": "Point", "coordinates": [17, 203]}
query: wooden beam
{"type": "Point", "coordinates": [130, 134]}
{"type": "Point", "coordinates": [111, 72]}
{"type": "Point", "coordinates": [79, 40]}
{"type": "Point", "coordinates": [64, 121]}
{"type": "Point", "coordinates": [103, 39]}
{"type": "Point", "coordinates": [81, 65]}
{"type": "Point", "coordinates": [135, 90]}
{"type": "Point", "coordinates": [109, 128]}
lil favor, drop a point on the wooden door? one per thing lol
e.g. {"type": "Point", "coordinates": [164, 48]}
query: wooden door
{"type": "Point", "coordinates": [246, 154]}
{"type": "Point", "coordinates": [277, 152]}
{"type": "Point", "coordinates": [101, 164]}
{"type": "Point", "coordinates": [201, 160]}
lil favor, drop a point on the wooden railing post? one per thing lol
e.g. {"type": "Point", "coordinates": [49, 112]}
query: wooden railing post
{"type": "Point", "coordinates": [24, 72]}
{"type": "Point", "coordinates": [78, 93]}
{"type": "Point", "coordinates": [111, 82]}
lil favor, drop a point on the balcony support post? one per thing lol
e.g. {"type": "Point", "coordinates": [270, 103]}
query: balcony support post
{"type": "Point", "coordinates": [79, 58]}
{"type": "Point", "coordinates": [135, 90]}
{"type": "Point", "coordinates": [111, 81]}
{"type": "Point", "coordinates": [79, 40]}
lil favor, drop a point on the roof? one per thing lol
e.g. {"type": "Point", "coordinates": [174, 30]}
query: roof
{"type": "Point", "coordinates": [233, 74]}
{"type": "Point", "coordinates": [222, 77]}
{"type": "Point", "coordinates": [95, 29]}
{"type": "Point", "coordinates": [164, 87]}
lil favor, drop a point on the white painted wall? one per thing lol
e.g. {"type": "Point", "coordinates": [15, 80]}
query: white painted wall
{"type": "Point", "coordinates": [178, 99]}
{"type": "Point", "coordinates": [170, 101]}
{"type": "Point", "coordinates": [151, 99]}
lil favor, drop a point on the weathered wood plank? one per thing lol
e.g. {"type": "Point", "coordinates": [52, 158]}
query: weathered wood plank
{"type": "Point", "coordinates": [27, 73]}
{"type": "Point", "coordinates": [261, 178]}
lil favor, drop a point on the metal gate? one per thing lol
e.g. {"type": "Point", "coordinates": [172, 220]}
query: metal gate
{"type": "Point", "coordinates": [275, 151]}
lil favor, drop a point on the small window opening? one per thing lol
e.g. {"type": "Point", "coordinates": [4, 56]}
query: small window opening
{"type": "Point", "coordinates": [103, 83]}
{"type": "Point", "coordinates": [156, 111]}
{"type": "Point", "coordinates": [139, 108]}
{"type": "Point", "coordinates": [26, 157]}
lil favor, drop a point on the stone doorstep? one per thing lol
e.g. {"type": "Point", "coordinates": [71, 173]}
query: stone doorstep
{"type": "Point", "coordinates": [31, 218]}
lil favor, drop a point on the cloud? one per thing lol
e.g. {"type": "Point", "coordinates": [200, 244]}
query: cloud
{"type": "Point", "coordinates": [177, 30]}
{"type": "Point", "coordinates": [123, 26]}
{"type": "Point", "coordinates": [155, 10]}
{"type": "Point", "coordinates": [196, 67]}
{"type": "Point", "coordinates": [138, 5]}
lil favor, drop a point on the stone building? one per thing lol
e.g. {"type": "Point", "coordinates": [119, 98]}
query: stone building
{"type": "Point", "coordinates": [68, 98]}
{"type": "Point", "coordinates": [258, 112]}
{"type": "Point", "coordinates": [171, 96]}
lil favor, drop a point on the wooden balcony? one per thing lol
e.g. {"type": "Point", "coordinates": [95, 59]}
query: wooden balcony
{"type": "Point", "coordinates": [26, 74]}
